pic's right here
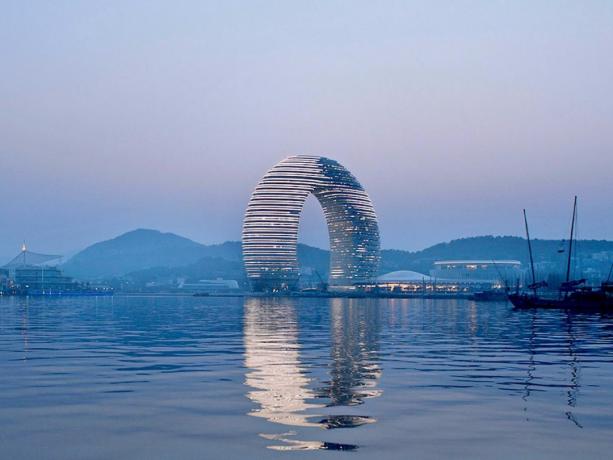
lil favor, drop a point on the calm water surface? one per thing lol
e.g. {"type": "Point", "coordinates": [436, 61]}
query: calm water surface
{"type": "Point", "coordinates": [169, 378]}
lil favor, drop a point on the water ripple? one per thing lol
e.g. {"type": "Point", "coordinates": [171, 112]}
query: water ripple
{"type": "Point", "coordinates": [173, 377]}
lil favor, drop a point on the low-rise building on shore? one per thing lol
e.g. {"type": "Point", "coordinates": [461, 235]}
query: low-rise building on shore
{"type": "Point", "coordinates": [453, 276]}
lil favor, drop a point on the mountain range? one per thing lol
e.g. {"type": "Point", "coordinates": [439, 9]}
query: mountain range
{"type": "Point", "coordinates": [144, 255]}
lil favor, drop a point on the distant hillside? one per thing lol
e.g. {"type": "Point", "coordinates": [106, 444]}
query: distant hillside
{"type": "Point", "coordinates": [225, 262]}
{"type": "Point", "coordinates": [144, 252]}
{"type": "Point", "coordinates": [205, 268]}
{"type": "Point", "coordinates": [315, 258]}
{"type": "Point", "coordinates": [149, 255]}
{"type": "Point", "coordinates": [488, 247]}
{"type": "Point", "coordinates": [132, 251]}
{"type": "Point", "coordinates": [230, 250]}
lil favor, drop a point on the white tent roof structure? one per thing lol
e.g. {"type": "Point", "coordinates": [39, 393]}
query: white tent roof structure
{"type": "Point", "coordinates": [29, 258]}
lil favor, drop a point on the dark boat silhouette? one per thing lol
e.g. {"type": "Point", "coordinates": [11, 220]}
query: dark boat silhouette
{"type": "Point", "coordinates": [573, 294]}
{"type": "Point", "coordinates": [581, 299]}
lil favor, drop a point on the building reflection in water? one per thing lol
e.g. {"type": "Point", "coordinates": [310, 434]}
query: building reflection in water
{"type": "Point", "coordinates": [272, 353]}
{"type": "Point", "coordinates": [280, 383]}
{"type": "Point", "coordinates": [354, 369]}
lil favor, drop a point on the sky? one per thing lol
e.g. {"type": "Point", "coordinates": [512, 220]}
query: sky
{"type": "Point", "coordinates": [454, 115]}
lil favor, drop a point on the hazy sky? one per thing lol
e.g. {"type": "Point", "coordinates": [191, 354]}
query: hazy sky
{"type": "Point", "coordinates": [453, 115]}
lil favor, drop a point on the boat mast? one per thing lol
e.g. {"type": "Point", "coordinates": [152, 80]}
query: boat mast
{"type": "Point", "coordinates": [570, 242]}
{"type": "Point", "coordinates": [530, 251]}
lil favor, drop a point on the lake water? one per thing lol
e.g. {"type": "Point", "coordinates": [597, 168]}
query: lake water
{"type": "Point", "coordinates": [180, 377]}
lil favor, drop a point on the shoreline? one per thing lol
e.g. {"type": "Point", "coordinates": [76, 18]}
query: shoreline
{"type": "Point", "coordinates": [322, 295]}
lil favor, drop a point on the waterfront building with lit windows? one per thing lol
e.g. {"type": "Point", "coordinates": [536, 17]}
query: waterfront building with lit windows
{"type": "Point", "coordinates": [453, 277]}
{"type": "Point", "coordinates": [216, 286]}
{"type": "Point", "coordinates": [43, 279]}
{"type": "Point", "coordinates": [270, 227]}
{"type": "Point", "coordinates": [31, 273]}
{"type": "Point", "coordinates": [496, 272]}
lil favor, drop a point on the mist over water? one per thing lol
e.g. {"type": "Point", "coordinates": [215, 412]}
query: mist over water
{"type": "Point", "coordinates": [175, 377]}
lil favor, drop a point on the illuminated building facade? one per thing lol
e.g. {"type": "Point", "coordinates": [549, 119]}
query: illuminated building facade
{"type": "Point", "coordinates": [497, 271]}
{"type": "Point", "coordinates": [270, 227]}
{"type": "Point", "coordinates": [452, 277]}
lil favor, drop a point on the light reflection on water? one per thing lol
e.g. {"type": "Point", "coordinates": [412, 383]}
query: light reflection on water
{"type": "Point", "coordinates": [272, 353]}
{"type": "Point", "coordinates": [165, 377]}
{"type": "Point", "coordinates": [282, 385]}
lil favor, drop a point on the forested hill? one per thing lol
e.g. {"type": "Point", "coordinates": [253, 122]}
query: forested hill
{"type": "Point", "coordinates": [166, 254]}
{"type": "Point", "coordinates": [149, 253]}
{"type": "Point", "coordinates": [492, 247]}
{"type": "Point", "coordinates": [142, 249]}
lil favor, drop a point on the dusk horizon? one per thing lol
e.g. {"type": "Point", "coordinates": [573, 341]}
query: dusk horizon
{"type": "Point", "coordinates": [325, 246]}
{"type": "Point", "coordinates": [454, 118]}
{"type": "Point", "coordinates": [314, 235]}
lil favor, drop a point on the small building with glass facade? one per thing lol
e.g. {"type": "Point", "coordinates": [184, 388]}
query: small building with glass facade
{"type": "Point", "coordinates": [453, 277]}
{"type": "Point", "coordinates": [494, 272]}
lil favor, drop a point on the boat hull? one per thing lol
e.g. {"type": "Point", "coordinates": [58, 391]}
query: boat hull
{"type": "Point", "coordinates": [591, 301]}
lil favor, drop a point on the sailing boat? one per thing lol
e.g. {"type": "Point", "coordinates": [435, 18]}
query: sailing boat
{"type": "Point", "coordinates": [573, 293]}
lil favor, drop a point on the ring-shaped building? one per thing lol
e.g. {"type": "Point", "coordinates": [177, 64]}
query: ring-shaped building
{"type": "Point", "coordinates": [270, 227]}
